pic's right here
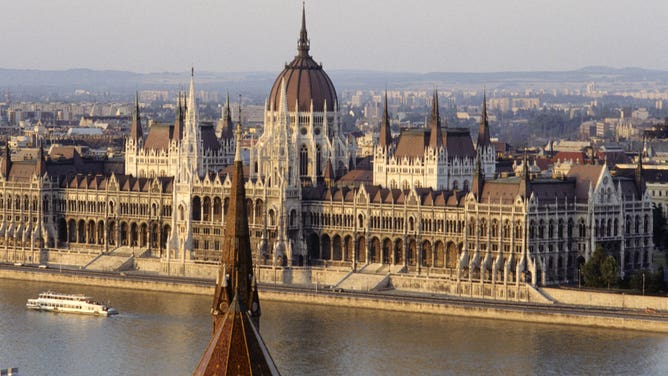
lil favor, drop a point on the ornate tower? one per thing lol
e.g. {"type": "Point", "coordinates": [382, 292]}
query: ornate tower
{"type": "Point", "coordinates": [435, 135]}
{"type": "Point", "coordinates": [188, 169]}
{"type": "Point", "coordinates": [134, 143]}
{"type": "Point", "coordinates": [236, 347]}
{"type": "Point", "coordinates": [484, 146]}
{"type": "Point", "coordinates": [302, 132]}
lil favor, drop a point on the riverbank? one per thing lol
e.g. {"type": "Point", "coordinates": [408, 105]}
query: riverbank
{"type": "Point", "coordinates": [401, 302]}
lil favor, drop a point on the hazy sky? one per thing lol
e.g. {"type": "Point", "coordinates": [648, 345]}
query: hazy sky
{"type": "Point", "coordinates": [388, 35]}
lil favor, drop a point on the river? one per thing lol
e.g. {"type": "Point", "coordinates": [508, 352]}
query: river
{"type": "Point", "coordinates": [165, 334]}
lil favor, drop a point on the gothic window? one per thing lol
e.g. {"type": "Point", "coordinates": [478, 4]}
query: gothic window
{"type": "Point", "coordinates": [303, 161]}
{"type": "Point", "coordinates": [318, 160]}
{"type": "Point", "coordinates": [293, 218]}
{"type": "Point", "coordinates": [532, 229]}
{"type": "Point", "coordinates": [609, 229]}
{"type": "Point", "coordinates": [483, 227]}
{"type": "Point", "coordinates": [541, 229]}
{"type": "Point", "coordinates": [570, 228]}
{"type": "Point", "coordinates": [181, 213]}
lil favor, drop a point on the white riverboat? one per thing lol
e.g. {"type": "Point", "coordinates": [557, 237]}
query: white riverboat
{"type": "Point", "coordinates": [69, 303]}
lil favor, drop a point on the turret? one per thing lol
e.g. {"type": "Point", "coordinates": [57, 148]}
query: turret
{"type": "Point", "coordinates": [478, 178]}
{"type": "Point", "coordinates": [40, 166]}
{"type": "Point", "coordinates": [385, 135]}
{"type": "Point", "coordinates": [483, 132]}
{"type": "Point", "coordinates": [639, 179]}
{"type": "Point", "coordinates": [136, 132]}
{"type": "Point", "coordinates": [435, 137]}
{"type": "Point", "coordinates": [525, 178]}
{"type": "Point", "coordinates": [178, 120]}
{"type": "Point", "coordinates": [226, 131]}
{"type": "Point", "coordinates": [6, 165]}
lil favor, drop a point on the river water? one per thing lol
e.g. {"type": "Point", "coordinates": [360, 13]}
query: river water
{"type": "Point", "coordinates": [165, 334]}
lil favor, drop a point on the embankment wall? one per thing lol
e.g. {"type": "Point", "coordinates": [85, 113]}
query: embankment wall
{"type": "Point", "coordinates": [602, 299]}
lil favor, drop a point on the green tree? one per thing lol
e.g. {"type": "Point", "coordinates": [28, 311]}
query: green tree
{"type": "Point", "coordinates": [592, 269]}
{"type": "Point", "coordinates": [609, 271]}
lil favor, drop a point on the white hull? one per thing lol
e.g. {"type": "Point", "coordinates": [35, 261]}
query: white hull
{"type": "Point", "coordinates": [67, 303]}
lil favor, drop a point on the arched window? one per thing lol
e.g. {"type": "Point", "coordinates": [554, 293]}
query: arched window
{"type": "Point", "coordinates": [303, 161]}
{"type": "Point", "coordinates": [318, 160]}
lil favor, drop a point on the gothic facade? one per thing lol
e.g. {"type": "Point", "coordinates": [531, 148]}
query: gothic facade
{"type": "Point", "coordinates": [445, 214]}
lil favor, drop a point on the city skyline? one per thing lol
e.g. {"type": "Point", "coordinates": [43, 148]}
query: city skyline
{"type": "Point", "coordinates": [422, 36]}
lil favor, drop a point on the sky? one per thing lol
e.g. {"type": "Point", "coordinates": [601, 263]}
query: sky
{"type": "Point", "coordinates": [382, 35]}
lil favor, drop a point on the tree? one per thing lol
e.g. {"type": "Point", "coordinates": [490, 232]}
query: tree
{"type": "Point", "coordinates": [609, 271]}
{"type": "Point", "coordinates": [600, 270]}
{"type": "Point", "coordinates": [592, 269]}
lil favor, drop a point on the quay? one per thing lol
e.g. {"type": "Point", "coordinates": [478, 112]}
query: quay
{"type": "Point", "coordinates": [653, 317]}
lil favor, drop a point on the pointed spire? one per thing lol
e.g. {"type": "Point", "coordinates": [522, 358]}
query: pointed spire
{"type": "Point", "coordinates": [136, 132]}
{"type": "Point", "coordinates": [525, 178]}
{"type": "Point", "coordinates": [329, 175]}
{"type": "Point", "coordinates": [237, 152]}
{"type": "Point", "coordinates": [639, 179]}
{"type": "Point", "coordinates": [478, 178]}
{"type": "Point", "coordinates": [483, 132]}
{"type": "Point", "coordinates": [303, 45]}
{"type": "Point", "coordinates": [226, 132]}
{"type": "Point", "coordinates": [178, 120]}
{"type": "Point", "coordinates": [385, 136]}
{"type": "Point", "coordinates": [435, 136]}
{"type": "Point", "coordinates": [236, 254]}
{"type": "Point", "coordinates": [40, 167]}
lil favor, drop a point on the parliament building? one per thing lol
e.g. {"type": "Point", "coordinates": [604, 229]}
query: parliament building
{"type": "Point", "coordinates": [432, 201]}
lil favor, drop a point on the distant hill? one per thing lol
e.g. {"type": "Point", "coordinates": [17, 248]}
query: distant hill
{"type": "Point", "coordinates": [259, 83]}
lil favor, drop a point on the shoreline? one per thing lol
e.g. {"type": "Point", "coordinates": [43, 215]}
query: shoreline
{"type": "Point", "coordinates": [407, 302]}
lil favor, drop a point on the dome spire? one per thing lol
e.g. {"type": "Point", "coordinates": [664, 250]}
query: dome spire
{"type": "Point", "coordinates": [303, 45]}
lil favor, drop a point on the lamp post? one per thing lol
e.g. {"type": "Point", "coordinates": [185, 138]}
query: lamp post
{"type": "Point", "coordinates": [579, 278]}
{"type": "Point", "coordinates": [643, 283]}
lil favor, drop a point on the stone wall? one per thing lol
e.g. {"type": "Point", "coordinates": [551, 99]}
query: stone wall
{"type": "Point", "coordinates": [464, 288]}
{"type": "Point", "coordinates": [300, 276]}
{"type": "Point", "coordinates": [602, 299]}
{"type": "Point", "coordinates": [71, 258]}
{"type": "Point", "coordinates": [468, 311]}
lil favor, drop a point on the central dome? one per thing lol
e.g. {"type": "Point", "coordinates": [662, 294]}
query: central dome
{"type": "Point", "coordinates": [305, 81]}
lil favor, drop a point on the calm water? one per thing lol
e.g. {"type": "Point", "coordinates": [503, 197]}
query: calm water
{"type": "Point", "coordinates": [165, 334]}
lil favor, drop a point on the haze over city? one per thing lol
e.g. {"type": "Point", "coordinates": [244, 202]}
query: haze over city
{"type": "Point", "coordinates": [411, 36]}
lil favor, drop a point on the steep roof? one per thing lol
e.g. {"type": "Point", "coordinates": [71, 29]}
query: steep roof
{"type": "Point", "coordinates": [413, 141]}
{"type": "Point", "coordinates": [159, 136]}
{"type": "Point", "coordinates": [236, 347]}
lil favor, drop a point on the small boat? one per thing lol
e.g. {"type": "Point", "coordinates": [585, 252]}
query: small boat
{"type": "Point", "coordinates": [69, 303]}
